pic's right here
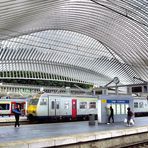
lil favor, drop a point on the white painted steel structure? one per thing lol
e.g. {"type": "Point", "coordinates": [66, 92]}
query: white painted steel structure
{"type": "Point", "coordinates": [86, 41]}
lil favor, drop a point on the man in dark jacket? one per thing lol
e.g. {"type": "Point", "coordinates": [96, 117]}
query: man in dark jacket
{"type": "Point", "coordinates": [17, 113]}
{"type": "Point", "coordinates": [111, 115]}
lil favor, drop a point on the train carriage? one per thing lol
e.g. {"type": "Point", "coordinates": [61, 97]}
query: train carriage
{"type": "Point", "coordinates": [48, 106]}
{"type": "Point", "coordinates": [7, 105]}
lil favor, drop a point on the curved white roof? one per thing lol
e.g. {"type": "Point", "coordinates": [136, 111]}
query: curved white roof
{"type": "Point", "coordinates": [88, 41]}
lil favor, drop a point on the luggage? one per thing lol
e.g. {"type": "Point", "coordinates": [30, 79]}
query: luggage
{"type": "Point", "coordinates": [125, 120]}
{"type": "Point", "coordinates": [132, 122]}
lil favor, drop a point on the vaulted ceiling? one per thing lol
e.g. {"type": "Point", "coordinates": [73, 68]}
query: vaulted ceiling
{"type": "Point", "coordinates": [86, 41]}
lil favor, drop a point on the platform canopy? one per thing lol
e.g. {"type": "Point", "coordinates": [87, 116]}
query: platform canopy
{"type": "Point", "coordinates": [85, 41]}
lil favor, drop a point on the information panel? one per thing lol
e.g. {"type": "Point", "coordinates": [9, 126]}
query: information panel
{"type": "Point", "coordinates": [119, 106]}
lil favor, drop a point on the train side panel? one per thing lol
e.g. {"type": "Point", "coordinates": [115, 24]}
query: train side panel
{"type": "Point", "coordinates": [42, 106]}
{"type": "Point", "coordinates": [66, 106]}
{"type": "Point", "coordinates": [86, 106]}
{"type": "Point", "coordinates": [53, 107]}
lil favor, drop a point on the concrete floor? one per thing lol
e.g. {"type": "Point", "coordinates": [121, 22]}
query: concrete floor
{"type": "Point", "coordinates": [37, 131]}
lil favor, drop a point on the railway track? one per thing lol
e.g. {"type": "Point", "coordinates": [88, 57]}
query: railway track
{"type": "Point", "coordinates": [137, 145]}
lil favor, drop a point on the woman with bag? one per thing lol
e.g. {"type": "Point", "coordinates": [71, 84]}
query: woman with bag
{"type": "Point", "coordinates": [129, 116]}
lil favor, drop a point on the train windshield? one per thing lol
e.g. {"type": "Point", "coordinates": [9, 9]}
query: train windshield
{"type": "Point", "coordinates": [33, 101]}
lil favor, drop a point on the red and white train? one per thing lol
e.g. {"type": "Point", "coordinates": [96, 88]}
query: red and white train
{"type": "Point", "coordinates": [7, 105]}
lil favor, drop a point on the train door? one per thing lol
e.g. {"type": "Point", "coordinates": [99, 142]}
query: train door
{"type": "Point", "coordinates": [43, 108]}
{"type": "Point", "coordinates": [23, 108]}
{"type": "Point", "coordinates": [74, 108]}
{"type": "Point", "coordinates": [13, 104]}
{"type": "Point", "coordinates": [55, 107]}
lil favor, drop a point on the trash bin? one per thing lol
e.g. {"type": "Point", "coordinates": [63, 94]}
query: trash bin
{"type": "Point", "coordinates": [91, 119]}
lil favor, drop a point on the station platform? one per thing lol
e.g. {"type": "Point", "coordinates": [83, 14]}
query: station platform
{"type": "Point", "coordinates": [62, 134]}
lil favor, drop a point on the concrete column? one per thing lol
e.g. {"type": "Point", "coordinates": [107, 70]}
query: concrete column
{"type": "Point", "coordinates": [129, 90]}
{"type": "Point", "coordinates": [104, 91]}
{"type": "Point", "coordinates": [116, 90]}
{"type": "Point", "coordinates": [94, 92]}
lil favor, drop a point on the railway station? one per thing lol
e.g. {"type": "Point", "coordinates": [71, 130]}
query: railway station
{"type": "Point", "coordinates": [73, 73]}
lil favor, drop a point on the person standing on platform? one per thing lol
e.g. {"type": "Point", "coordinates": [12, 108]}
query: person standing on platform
{"type": "Point", "coordinates": [17, 113]}
{"type": "Point", "coordinates": [129, 116]}
{"type": "Point", "coordinates": [111, 115]}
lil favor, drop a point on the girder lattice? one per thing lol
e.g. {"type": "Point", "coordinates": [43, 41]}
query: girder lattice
{"type": "Point", "coordinates": [86, 41]}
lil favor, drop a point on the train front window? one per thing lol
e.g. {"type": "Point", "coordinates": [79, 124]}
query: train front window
{"type": "Point", "coordinates": [4, 106]}
{"type": "Point", "coordinates": [33, 101]}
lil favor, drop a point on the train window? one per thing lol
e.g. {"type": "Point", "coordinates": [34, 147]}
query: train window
{"type": "Point", "coordinates": [140, 104]}
{"type": "Point", "coordinates": [33, 101]}
{"type": "Point", "coordinates": [135, 104]}
{"type": "Point", "coordinates": [83, 105]}
{"type": "Point", "coordinates": [66, 105]}
{"type": "Point", "coordinates": [43, 102]}
{"type": "Point", "coordinates": [57, 104]}
{"type": "Point", "coordinates": [92, 105]}
{"type": "Point", "coordinates": [52, 104]}
{"type": "Point", "coordinates": [4, 106]}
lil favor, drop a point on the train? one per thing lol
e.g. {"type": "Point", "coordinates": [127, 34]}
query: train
{"type": "Point", "coordinates": [65, 107]}
{"type": "Point", "coordinates": [61, 107]}
{"type": "Point", "coordinates": [140, 106]}
{"type": "Point", "coordinates": [7, 105]}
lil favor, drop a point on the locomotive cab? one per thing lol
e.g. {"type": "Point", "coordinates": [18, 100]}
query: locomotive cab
{"type": "Point", "coordinates": [32, 107]}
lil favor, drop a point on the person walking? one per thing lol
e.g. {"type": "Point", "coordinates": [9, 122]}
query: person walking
{"type": "Point", "coordinates": [129, 116]}
{"type": "Point", "coordinates": [111, 116]}
{"type": "Point", "coordinates": [17, 113]}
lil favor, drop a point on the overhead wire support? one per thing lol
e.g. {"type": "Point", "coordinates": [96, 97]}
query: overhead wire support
{"type": "Point", "coordinates": [81, 88]}
{"type": "Point", "coordinates": [140, 79]}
